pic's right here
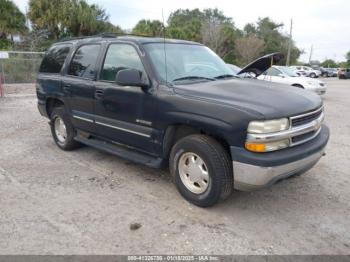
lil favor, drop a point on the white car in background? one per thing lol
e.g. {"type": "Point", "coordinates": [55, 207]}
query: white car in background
{"type": "Point", "coordinates": [306, 71]}
{"type": "Point", "coordinates": [285, 75]}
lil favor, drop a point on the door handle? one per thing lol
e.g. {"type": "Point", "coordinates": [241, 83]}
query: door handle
{"type": "Point", "coordinates": [99, 94]}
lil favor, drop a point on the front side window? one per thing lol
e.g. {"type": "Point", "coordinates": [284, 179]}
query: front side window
{"type": "Point", "coordinates": [84, 61]}
{"type": "Point", "coordinates": [119, 57]}
{"type": "Point", "coordinates": [54, 59]}
{"type": "Point", "coordinates": [175, 62]}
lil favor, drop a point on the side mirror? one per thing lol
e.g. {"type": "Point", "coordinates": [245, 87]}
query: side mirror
{"type": "Point", "coordinates": [281, 75]}
{"type": "Point", "coordinates": [131, 77]}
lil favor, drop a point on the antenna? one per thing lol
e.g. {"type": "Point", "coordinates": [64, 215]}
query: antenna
{"type": "Point", "coordinates": [165, 58]}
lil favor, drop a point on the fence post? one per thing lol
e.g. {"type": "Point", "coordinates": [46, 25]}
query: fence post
{"type": "Point", "coordinates": [2, 80]}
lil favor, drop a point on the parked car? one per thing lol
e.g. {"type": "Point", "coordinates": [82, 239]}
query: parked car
{"type": "Point", "coordinates": [328, 72]}
{"type": "Point", "coordinates": [306, 71]}
{"type": "Point", "coordinates": [284, 75]}
{"type": "Point", "coordinates": [344, 73]}
{"type": "Point", "coordinates": [214, 131]}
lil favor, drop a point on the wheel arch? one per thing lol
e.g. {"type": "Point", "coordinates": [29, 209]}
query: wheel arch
{"type": "Point", "coordinates": [51, 103]}
{"type": "Point", "coordinates": [177, 131]}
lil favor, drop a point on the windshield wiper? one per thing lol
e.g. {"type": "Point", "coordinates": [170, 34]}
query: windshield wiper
{"type": "Point", "coordinates": [226, 76]}
{"type": "Point", "coordinates": [193, 78]}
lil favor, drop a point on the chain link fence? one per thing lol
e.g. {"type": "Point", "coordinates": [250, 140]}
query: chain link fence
{"type": "Point", "coordinates": [20, 67]}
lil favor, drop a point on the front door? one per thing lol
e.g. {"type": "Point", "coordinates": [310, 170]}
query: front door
{"type": "Point", "coordinates": [124, 114]}
{"type": "Point", "coordinates": [78, 86]}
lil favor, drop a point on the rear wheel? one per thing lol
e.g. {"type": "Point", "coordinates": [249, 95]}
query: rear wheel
{"type": "Point", "coordinates": [62, 130]}
{"type": "Point", "coordinates": [201, 169]}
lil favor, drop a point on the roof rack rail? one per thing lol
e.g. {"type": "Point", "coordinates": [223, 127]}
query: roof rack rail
{"type": "Point", "coordinates": [102, 35]}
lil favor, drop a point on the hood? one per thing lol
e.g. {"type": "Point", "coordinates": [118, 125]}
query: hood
{"type": "Point", "coordinates": [267, 100]}
{"type": "Point", "coordinates": [260, 65]}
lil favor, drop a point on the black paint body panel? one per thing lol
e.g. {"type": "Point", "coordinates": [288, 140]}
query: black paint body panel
{"type": "Point", "coordinates": [220, 108]}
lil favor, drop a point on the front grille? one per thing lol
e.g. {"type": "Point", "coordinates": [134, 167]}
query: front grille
{"type": "Point", "coordinates": [306, 118]}
{"type": "Point", "coordinates": [303, 137]}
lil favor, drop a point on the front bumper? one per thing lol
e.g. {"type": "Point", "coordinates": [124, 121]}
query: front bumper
{"type": "Point", "coordinates": [256, 170]}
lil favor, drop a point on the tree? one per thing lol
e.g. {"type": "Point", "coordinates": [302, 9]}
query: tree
{"type": "Point", "coordinates": [275, 41]}
{"type": "Point", "coordinates": [348, 58]}
{"type": "Point", "coordinates": [12, 22]}
{"type": "Point", "coordinates": [148, 28]}
{"type": "Point", "coordinates": [248, 48]}
{"type": "Point", "coordinates": [50, 15]}
{"type": "Point", "coordinates": [329, 63]}
{"type": "Point", "coordinates": [210, 27]}
{"type": "Point", "coordinates": [185, 24]}
{"type": "Point", "coordinates": [63, 18]}
{"type": "Point", "coordinates": [218, 32]}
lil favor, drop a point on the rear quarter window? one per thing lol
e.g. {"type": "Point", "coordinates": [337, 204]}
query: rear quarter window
{"type": "Point", "coordinates": [54, 59]}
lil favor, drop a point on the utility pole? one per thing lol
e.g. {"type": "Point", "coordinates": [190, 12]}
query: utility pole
{"type": "Point", "coordinates": [311, 51]}
{"type": "Point", "coordinates": [290, 42]}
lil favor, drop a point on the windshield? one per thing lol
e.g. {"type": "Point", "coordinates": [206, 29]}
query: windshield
{"type": "Point", "coordinates": [186, 62]}
{"type": "Point", "coordinates": [235, 69]}
{"type": "Point", "coordinates": [288, 71]}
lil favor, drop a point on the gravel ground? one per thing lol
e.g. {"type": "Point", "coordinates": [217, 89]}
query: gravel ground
{"type": "Point", "coordinates": [90, 202]}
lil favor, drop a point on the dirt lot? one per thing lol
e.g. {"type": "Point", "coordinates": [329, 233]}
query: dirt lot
{"type": "Point", "coordinates": [55, 202]}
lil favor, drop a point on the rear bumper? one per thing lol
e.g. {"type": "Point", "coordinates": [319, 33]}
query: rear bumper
{"type": "Point", "coordinates": [256, 170]}
{"type": "Point", "coordinates": [42, 108]}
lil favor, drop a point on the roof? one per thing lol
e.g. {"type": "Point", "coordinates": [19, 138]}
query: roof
{"type": "Point", "coordinates": [132, 38]}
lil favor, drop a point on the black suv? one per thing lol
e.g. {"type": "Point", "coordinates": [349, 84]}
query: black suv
{"type": "Point", "coordinates": [176, 103]}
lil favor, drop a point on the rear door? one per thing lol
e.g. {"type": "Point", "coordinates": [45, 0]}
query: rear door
{"type": "Point", "coordinates": [79, 88]}
{"type": "Point", "coordinates": [124, 114]}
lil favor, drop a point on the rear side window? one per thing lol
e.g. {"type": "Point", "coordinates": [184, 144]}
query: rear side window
{"type": "Point", "coordinates": [119, 57]}
{"type": "Point", "coordinates": [54, 59]}
{"type": "Point", "coordinates": [84, 61]}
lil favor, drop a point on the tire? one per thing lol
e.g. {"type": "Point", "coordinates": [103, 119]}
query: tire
{"type": "Point", "coordinates": [216, 163]}
{"type": "Point", "coordinates": [313, 75]}
{"type": "Point", "coordinates": [65, 142]}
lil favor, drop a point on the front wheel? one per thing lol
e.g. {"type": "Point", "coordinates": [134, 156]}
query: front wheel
{"type": "Point", "coordinates": [313, 75]}
{"type": "Point", "coordinates": [202, 170]}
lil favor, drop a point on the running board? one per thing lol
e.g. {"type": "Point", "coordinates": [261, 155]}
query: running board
{"type": "Point", "coordinates": [121, 151]}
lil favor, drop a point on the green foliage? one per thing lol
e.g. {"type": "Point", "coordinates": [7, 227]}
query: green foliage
{"type": "Point", "coordinates": [210, 27]}
{"type": "Point", "coordinates": [275, 41]}
{"type": "Point", "coordinates": [329, 63]}
{"type": "Point", "coordinates": [148, 28]}
{"type": "Point", "coordinates": [64, 18]}
{"type": "Point", "coordinates": [185, 24]}
{"type": "Point", "coordinates": [348, 59]}
{"type": "Point", "coordinates": [5, 44]}
{"type": "Point", "coordinates": [12, 21]}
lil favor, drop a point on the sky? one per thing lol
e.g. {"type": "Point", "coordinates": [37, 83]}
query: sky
{"type": "Point", "coordinates": [323, 24]}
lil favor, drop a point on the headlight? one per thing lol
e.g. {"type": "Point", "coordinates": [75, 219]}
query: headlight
{"type": "Point", "coordinates": [270, 126]}
{"type": "Point", "coordinates": [268, 146]}
{"type": "Point", "coordinates": [310, 83]}
{"type": "Point", "coordinates": [265, 127]}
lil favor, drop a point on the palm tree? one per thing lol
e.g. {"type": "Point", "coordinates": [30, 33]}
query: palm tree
{"type": "Point", "coordinates": [12, 20]}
